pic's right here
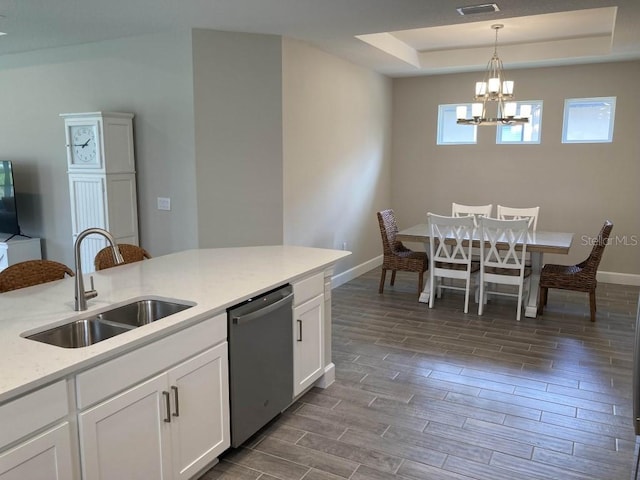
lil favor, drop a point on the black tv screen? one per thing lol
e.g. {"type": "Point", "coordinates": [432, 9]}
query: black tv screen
{"type": "Point", "coordinates": [8, 212]}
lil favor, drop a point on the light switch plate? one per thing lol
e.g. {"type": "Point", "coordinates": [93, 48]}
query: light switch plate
{"type": "Point", "coordinates": [164, 203]}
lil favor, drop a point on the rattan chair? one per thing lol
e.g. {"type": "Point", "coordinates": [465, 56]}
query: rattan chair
{"type": "Point", "coordinates": [580, 277]}
{"type": "Point", "coordinates": [395, 255]}
{"type": "Point", "coordinates": [32, 272]}
{"type": "Point", "coordinates": [130, 254]}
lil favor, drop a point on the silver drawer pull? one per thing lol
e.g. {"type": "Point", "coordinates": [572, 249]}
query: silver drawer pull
{"type": "Point", "coordinates": [167, 400]}
{"type": "Point", "coordinates": [175, 398]}
{"type": "Point", "coordinates": [299, 330]}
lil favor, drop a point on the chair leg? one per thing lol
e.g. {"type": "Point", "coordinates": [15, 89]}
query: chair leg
{"type": "Point", "coordinates": [592, 304]}
{"type": "Point", "coordinates": [393, 277]}
{"type": "Point", "coordinates": [383, 276]}
{"type": "Point", "coordinates": [542, 299]}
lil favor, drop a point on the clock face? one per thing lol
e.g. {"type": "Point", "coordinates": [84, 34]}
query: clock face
{"type": "Point", "coordinates": [84, 148]}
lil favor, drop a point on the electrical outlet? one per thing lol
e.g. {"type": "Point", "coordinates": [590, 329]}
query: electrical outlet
{"type": "Point", "coordinates": [164, 203]}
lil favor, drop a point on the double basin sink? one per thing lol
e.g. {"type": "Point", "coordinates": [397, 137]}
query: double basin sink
{"type": "Point", "coordinates": [100, 326]}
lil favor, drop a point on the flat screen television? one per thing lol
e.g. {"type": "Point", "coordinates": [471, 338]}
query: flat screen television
{"type": "Point", "coordinates": [8, 212]}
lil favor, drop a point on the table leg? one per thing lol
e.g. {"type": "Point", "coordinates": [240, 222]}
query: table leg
{"type": "Point", "coordinates": [531, 309]}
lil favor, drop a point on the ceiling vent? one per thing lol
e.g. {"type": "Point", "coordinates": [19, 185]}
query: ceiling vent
{"type": "Point", "coordinates": [475, 9]}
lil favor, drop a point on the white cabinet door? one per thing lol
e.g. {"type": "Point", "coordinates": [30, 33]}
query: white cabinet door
{"type": "Point", "coordinates": [44, 457]}
{"type": "Point", "coordinates": [308, 346]}
{"type": "Point", "coordinates": [169, 427]}
{"type": "Point", "coordinates": [127, 436]}
{"type": "Point", "coordinates": [200, 411]}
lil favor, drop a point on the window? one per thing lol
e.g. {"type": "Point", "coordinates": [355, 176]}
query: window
{"type": "Point", "coordinates": [525, 132]}
{"type": "Point", "coordinates": [588, 120]}
{"type": "Point", "coordinates": [449, 132]}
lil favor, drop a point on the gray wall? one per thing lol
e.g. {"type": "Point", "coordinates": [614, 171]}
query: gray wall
{"type": "Point", "coordinates": [337, 152]}
{"type": "Point", "coordinates": [577, 186]}
{"type": "Point", "coordinates": [210, 133]}
{"type": "Point", "coordinates": [149, 76]}
{"type": "Point", "coordinates": [238, 133]}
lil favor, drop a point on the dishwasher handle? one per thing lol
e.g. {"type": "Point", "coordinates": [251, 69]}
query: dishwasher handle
{"type": "Point", "coordinates": [237, 320]}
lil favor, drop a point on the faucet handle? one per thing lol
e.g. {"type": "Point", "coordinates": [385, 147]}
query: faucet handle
{"type": "Point", "coordinates": [91, 293]}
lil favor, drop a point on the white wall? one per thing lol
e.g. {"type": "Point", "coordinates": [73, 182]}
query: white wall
{"type": "Point", "coordinates": [336, 152]}
{"type": "Point", "coordinates": [238, 141]}
{"type": "Point", "coordinates": [149, 76]}
{"type": "Point", "coordinates": [577, 186]}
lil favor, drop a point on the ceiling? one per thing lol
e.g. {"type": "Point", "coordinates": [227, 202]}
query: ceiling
{"type": "Point", "coordinates": [397, 37]}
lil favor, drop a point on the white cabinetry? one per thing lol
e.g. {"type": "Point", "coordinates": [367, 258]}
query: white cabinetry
{"type": "Point", "coordinates": [102, 178]}
{"type": "Point", "coordinates": [36, 449]}
{"type": "Point", "coordinates": [18, 250]}
{"type": "Point", "coordinates": [308, 332]}
{"type": "Point", "coordinates": [170, 426]}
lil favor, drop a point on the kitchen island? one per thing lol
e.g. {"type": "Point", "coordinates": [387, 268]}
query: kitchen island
{"type": "Point", "coordinates": [71, 389]}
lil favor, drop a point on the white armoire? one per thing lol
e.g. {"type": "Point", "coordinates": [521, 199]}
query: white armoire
{"type": "Point", "coordinates": [102, 179]}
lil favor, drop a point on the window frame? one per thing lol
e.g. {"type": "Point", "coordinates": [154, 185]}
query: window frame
{"type": "Point", "coordinates": [441, 127]}
{"type": "Point", "coordinates": [534, 104]}
{"type": "Point", "coordinates": [566, 122]}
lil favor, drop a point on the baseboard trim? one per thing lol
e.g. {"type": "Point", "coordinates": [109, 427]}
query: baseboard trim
{"type": "Point", "coordinates": [355, 272]}
{"type": "Point", "coordinates": [328, 378]}
{"type": "Point", "coordinates": [604, 277]}
{"type": "Point", "coordinates": [619, 278]}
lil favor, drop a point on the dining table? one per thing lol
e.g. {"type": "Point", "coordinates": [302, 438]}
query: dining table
{"type": "Point", "coordinates": [538, 243]}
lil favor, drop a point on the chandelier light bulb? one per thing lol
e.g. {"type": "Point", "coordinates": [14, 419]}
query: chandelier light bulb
{"type": "Point", "coordinates": [507, 87]}
{"type": "Point", "coordinates": [494, 85]}
{"type": "Point", "coordinates": [510, 109]}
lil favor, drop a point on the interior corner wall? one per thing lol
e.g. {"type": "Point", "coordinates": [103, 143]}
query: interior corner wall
{"type": "Point", "coordinates": [149, 76]}
{"type": "Point", "coordinates": [337, 150]}
{"type": "Point", "coordinates": [577, 186]}
{"type": "Point", "coordinates": [237, 80]}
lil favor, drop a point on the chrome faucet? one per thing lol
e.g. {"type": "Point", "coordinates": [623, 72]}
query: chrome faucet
{"type": "Point", "coordinates": [81, 295]}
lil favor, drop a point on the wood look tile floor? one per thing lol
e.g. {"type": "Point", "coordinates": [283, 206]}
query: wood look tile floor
{"type": "Point", "coordinates": [439, 394]}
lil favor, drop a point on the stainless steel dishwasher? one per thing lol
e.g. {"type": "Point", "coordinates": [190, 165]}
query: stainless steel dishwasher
{"type": "Point", "coordinates": [260, 361]}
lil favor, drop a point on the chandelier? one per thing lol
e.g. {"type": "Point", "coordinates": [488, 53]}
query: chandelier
{"type": "Point", "coordinates": [494, 89]}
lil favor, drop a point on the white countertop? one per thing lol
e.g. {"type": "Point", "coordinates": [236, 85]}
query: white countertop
{"type": "Point", "coordinates": [212, 279]}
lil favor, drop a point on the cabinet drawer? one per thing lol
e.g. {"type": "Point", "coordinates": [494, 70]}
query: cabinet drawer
{"type": "Point", "coordinates": [116, 375]}
{"type": "Point", "coordinates": [32, 412]}
{"type": "Point", "coordinates": [308, 288]}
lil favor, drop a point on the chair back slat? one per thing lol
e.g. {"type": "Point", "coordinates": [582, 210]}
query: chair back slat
{"type": "Point", "coordinates": [475, 211]}
{"type": "Point", "coordinates": [450, 238]}
{"type": "Point", "coordinates": [528, 214]}
{"type": "Point", "coordinates": [506, 243]}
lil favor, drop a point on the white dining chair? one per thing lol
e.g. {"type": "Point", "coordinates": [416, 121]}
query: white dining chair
{"type": "Point", "coordinates": [450, 254]}
{"type": "Point", "coordinates": [475, 211]}
{"type": "Point", "coordinates": [502, 259]}
{"type": "Point", "coordinates": [528, 214]}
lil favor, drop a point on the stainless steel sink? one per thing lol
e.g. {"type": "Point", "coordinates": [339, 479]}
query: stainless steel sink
{"type": "Point", "coordinates": [141, 312]}
{"type": "Point", "coordinates": [80, 333]}
{"type": "Point", "coordinates": [100, 326]}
